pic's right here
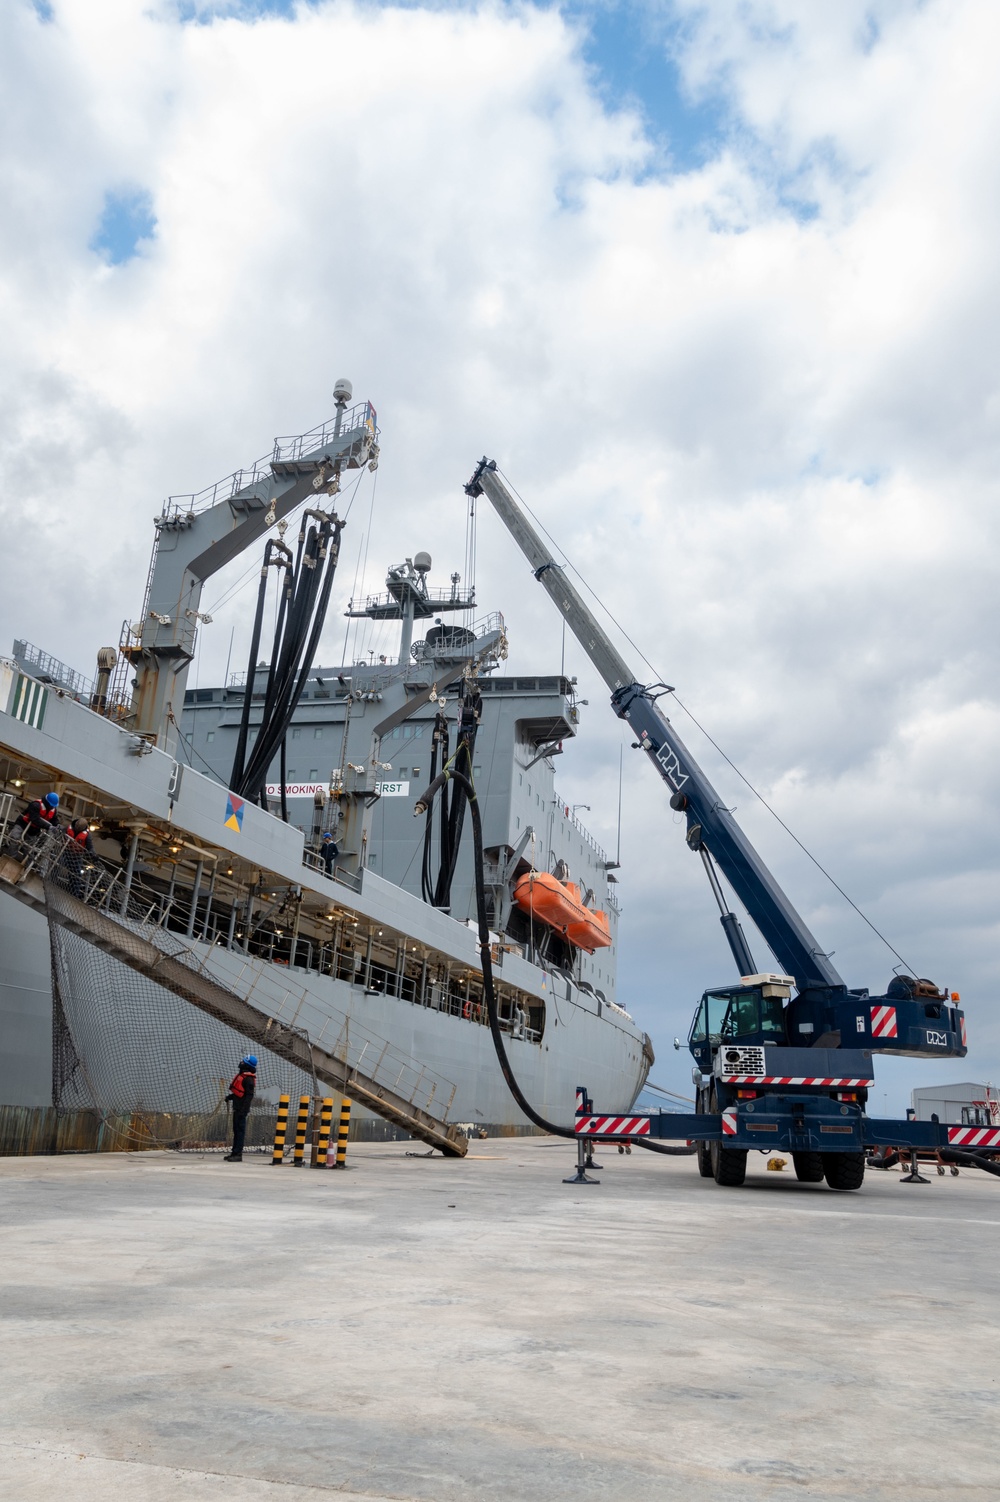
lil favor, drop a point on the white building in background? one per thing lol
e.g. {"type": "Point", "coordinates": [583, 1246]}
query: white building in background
{"type": "Point", "coordinates": [958, 1105]}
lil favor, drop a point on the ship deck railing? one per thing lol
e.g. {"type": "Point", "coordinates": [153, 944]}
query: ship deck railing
{"type": "Point", "coordinates": [353, 880]}
{"type": "Point", "coordinates": [284, 450]}
{"type": "Point", "coordinates": [106, 886]}
{"type": "Point", "coordinates": [143, 910]}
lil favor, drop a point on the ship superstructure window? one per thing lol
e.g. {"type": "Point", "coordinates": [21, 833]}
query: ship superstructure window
{"type": "Point", "coordinates": [210, 736]}
{"type": "Point", "coordinates": [313, 773]}
{"type": "Point", "coordinates": [296, 732]}
{"type": "Point", "coordinates": [318, 733]}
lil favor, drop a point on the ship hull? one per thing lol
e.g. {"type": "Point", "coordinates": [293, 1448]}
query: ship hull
{"type": "Point", "coordinates": [583, 1044]}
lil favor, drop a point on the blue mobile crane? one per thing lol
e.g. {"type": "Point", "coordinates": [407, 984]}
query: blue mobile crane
{"type": "Point", "coordinates": [783, 1060]}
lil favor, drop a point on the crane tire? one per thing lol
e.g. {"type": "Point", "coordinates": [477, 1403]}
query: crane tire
{"type": "Point", "coordinates": [729, 1165]}
{"type": "Point", "coordinates": [808, 1167]}
{"type": "Point", "coordinates": [844, 1170]}
{"type": "Point", "coordinates": [705, 1160]}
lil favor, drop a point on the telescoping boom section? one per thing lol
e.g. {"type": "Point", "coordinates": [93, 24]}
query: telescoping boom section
{"type": "Point", "coordinates": [784, 1059]}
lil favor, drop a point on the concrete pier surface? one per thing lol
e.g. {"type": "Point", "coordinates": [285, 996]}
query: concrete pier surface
{"type": "Point", "coordinates": [182, 1329]}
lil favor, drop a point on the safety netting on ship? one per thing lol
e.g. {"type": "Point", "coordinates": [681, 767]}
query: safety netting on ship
{"type": "Point", "coordinates": [156, 1068]}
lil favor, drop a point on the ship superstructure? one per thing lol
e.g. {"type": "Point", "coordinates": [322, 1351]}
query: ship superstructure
{"type": "Point", "coordinates": [239, 887]}
{"type": "Point", "coordinates": [525, 721]}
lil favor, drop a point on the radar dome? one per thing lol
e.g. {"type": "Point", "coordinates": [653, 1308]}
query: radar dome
{"type": "Point", "coordinates": [343, 391]}
{"type": "Point", "coordinates": [422, 563]}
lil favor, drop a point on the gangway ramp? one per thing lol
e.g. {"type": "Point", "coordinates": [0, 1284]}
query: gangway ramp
{"type": "Point", "coordinates": [252, 997]}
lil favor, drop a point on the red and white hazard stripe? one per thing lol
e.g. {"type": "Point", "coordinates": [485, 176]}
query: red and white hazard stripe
{"type": "Point", "coordinates": [612, 1126]}
{"type": "Point", "coordinates": [883, 1022]}
{"type": "Point", "coordinates": [961, 1023]}
{"type": "Point", "coordinates": [974, 1136]}
{"type": "Point", "coordinates": [729, 1122]}
{"type": "Point", "coordinates": [789, 1079]}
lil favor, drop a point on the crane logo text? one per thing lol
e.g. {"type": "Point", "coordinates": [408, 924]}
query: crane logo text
{"type": "Point", "coordinates": [671, 766]}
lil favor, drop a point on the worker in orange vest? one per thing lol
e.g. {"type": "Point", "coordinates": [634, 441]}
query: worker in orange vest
{"type": "Point", "coordinates": [241, 1094]}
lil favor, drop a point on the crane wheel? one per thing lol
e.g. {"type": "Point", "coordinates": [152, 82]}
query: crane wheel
{"type": "Point", "coordinates": [844, 1170]}
{"type": "Point", "coordinates": [729, 1165]}
{"type": "Point", "coordinates": [808, 1167]}
{"type": "Point", "coordinates": [705, 1160]}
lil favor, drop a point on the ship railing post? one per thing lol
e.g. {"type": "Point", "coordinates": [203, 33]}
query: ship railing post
{"type": "Point", "coordinates": [301, 1003]}
{"type": "Point", "coordinates": [195, 895]}
{"type": "Point", "coordinates": [105, 902]}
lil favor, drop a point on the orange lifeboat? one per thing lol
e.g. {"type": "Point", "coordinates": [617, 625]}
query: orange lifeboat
{"type": "Point", "coordinates": [558, 904]}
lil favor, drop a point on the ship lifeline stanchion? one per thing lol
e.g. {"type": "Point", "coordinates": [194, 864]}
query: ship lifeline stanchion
{"type": "Point", "coordinates": [342, 1131]}
{"type": "Point", "coordinates": [322, 1144]}
{"type": "Point", "coordinates": [280, 1130]}
{"type": "Point", "coordinates": [301, 1127]}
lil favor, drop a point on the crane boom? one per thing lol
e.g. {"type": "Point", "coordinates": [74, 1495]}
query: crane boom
{"type": "Point", "coordinates": [711, 827]}
{"type": "Point", "coordinates": [790, 1072]}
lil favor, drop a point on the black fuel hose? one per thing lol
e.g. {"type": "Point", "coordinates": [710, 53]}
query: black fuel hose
{"type": "Point", "coordinates": [422, 804]}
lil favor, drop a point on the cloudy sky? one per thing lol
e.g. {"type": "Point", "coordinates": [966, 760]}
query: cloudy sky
{"type": "Point", "coordinates": [714, 282]}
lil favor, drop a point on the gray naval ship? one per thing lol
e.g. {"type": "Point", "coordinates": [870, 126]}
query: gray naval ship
{"type": "Point", "coordinates": [215, 812]}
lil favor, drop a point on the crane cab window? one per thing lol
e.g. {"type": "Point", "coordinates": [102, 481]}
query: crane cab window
{"type": "Point", "coordinates": [754, 1017]}
{"type": "Point", "coordinates": [708, 1022]}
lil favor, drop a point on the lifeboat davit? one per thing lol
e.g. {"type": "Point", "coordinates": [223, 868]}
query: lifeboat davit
{"type": "Point", "coordinates": [558, 903]}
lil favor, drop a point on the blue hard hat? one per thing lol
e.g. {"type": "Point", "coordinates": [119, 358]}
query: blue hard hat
{"type": "Point", "coordinates": [328, 837]}
{"type": "Point", "coordinates": [250, 1060]}
{"type": "Point", "coordinates": [52, 799]}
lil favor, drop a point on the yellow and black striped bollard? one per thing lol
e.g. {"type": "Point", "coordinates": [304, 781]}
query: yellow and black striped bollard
{"type": "Point", "coordinates": [280, 1129]}
{"type": "Point", "coordinates": [298, 1157]}
{"type": "Point", "coordinates": [325, 1127]}
{"type": "Point", "coordinates": [342, 1130]}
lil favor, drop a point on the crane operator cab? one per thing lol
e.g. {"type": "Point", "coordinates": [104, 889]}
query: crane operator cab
{"type": "Point", "coordinates": [752, 1013]}
{"type": "Point", "coordinates": [914, 1018]}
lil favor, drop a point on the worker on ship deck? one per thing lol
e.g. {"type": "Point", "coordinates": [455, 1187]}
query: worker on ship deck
{"type": "Point", "coordinates": [329, 850]}
{"type": "Point", "coordinates": [78, 845]}
{"type": "Point", "coordinates": [241, 1094]}
{"type": "Point", "coordinates": [38, 816]}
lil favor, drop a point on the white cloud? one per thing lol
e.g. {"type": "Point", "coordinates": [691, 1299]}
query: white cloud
{"type": "Point", "coordinates": [769, 436]}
